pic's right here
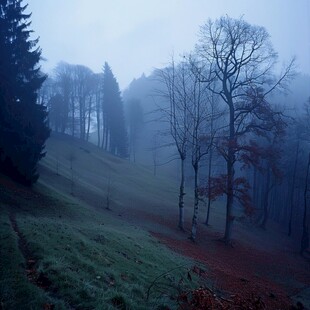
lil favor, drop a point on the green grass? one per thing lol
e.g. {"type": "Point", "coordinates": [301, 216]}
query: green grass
{"type": "Point", "coordinates": [16, 292]}
{"type": "Point", "coordinates": [93, 259]}
{"type": "Point", "coordinates": [94, 170]}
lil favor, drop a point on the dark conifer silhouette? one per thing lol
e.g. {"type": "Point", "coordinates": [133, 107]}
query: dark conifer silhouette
{"type": "Point", "coordinates": [23, 123]}
{"type": "Point", "coordinates": [114, 131]}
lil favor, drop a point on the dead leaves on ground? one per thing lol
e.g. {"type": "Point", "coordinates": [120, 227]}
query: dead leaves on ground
{"type": "Point", "coordinates": [205, 298]}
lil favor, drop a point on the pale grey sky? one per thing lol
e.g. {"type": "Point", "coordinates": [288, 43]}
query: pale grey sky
{"type": "Point", "coordinates": [135, 36]}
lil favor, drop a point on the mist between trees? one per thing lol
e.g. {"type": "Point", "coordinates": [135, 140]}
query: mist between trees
{"type": "Point", "coordinates": [221, 119]}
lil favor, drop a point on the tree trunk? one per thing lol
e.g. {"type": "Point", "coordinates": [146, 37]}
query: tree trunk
{"type": "Point", "coordinates": [254, 190]}
{"type": "Point", "coordinates": [98, 119]}
{"type": "Point", "coordinates": [181, 196]}
{"type": "Point", "coordinates": [82, 116]}
{"type": "Point", "coordinates": [266, 199]}
{"type": "Point", "coordinates": [89, 118]}
{"type": "Point", "coordinates": [209, 187]}
{"type": "Point", "coordinates": [293, 192]}
{"type": "Point", "coordinates": [305, 227]}
{"type": "Point", "coordinates": [73, 116]}
{"type": "Point", "coordinates": [230, 174]}
{"type": "Point", "coordinates": [196, 205]}
{"type": "Point", "coordinates": [229, 199]}
{"type": "Point", "coordinates": [210, 165]}
{"type": "Point", "coordinates": [106, 140]}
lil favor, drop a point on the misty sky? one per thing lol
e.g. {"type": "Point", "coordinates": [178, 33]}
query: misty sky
{"type": "Point", "coordinates": [136, 36]}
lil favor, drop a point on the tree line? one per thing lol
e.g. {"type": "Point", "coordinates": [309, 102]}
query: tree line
{"type": "Point", "coordinates": [219, 101]}
{"type": "Point", "coordinates": [81, 102]}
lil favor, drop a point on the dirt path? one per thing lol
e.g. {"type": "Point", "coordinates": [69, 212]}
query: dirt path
{"type": "Point", "coordinates": [37, 278]}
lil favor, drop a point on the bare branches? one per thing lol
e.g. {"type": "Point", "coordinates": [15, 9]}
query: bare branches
{"type": "Point", "coordinates": [235, 60]}
{"type": "Point", "coordinates": [239, 56]}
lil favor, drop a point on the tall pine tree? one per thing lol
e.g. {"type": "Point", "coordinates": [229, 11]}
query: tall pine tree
{"type": "Point", "coordinates": [23, 123]}
{"type": "Point", "coordinates": [114, 129]}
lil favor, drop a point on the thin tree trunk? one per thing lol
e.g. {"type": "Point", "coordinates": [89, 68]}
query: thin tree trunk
{"type": "Point", "coordinates": [196, 206]}
{"type": "Point", "coordinates": [73, 116]}
{"type": "Point", "coordinates": [305, 227]}
{"type": "Point", "coordinates": [257, 196]}
{"type": "Point", "coordinates": [89, 119]}
{"type": "Point", "coordinates": [229, 200]}
{"type": "Point", "coordinates": [266, 199]}
{"type": "Point", "coordinates": [230, 172]}
{"type": "Point", "coordinates": [81, 110]}
{"type": "Point", "coordinates": [181, 196]}
{"type": "Point", "coordinates": [106, 140]}
{"type": "Point", "coordinates": [210, 164]}
{"type": "Point", "coordinates": [293, 192]}
{"type": "Point", "coordinates": [254, 191]}
{"type": "Point", "coordinates": [209, 187]}
{"type": "Point", "coordinates": [273, 203]}
{"type": "Point", "coordinates": [98, 120]}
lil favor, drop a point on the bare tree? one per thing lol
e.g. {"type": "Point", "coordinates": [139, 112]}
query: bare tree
{"type": "Point", "coordinates": [84, 83]}
{"type": "Point", "coordinates": [241, 59]}
{"type": "Point", "coordinates": [215, 114]}
{"type": "Point", "coordinates": [64, 84]}
{"type": "Point", "coordinates": [174, 79]}
{"type": "Point", "coordinates": [200, 140]}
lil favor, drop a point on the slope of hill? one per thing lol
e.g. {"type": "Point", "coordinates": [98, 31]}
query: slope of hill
{"type": "Point", "coordinates": [57, 253]}
{"type": "Point", "coordinates": [97, 175]}
{"type": "Point", "coordinates": [83, 238]}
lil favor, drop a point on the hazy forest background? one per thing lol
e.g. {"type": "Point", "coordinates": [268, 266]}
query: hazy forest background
{"type": "Point", "coordinates": [219, 132]}
{"type": "Point", "coordinates": [177, 121]}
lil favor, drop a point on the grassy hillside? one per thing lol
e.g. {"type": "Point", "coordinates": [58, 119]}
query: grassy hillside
{"type": "Point", "coordinates": [83, 238]}
{"type": "Point", "coordinates": [98, 173]}
{"type": "Point", "coordinates": [57, 252]}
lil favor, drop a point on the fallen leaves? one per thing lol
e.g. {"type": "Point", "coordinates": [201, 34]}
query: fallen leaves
{"type": "Point", "coordinates": [205, 298]}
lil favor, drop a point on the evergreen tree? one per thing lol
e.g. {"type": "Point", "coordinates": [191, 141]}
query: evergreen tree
{"type": "Point", "coordinates": [114, 132]}
{"type": "Point", "coordinates": [23, 123]}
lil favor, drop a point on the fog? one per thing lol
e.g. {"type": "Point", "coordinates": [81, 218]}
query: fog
{"type": "Point", "coordinates": [136, 135]}
{"type": "Point", "coordinates": [138, 36]}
